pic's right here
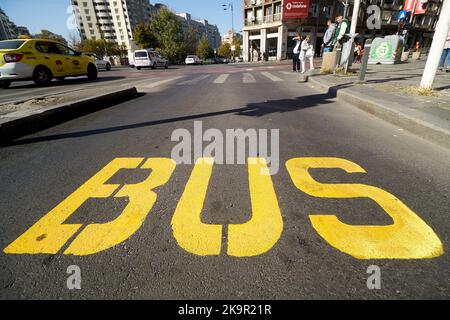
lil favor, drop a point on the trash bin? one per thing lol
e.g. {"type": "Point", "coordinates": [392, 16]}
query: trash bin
{"type": "Point", "coordinates": [387, 50]}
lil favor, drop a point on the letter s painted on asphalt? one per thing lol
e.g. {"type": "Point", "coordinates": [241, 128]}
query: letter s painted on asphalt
{"type": "Point", "coordinates": [409, 237]}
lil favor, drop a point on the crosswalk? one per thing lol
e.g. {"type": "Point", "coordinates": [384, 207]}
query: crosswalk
{"type": "Point", "coordinates": [246, 77]}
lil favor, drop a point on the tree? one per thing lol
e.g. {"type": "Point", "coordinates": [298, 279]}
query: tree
{"type": "Point", "coordinates": [48, 35]}
{"type": "Point", "coordinates": [169, 34]}
{"type": "Point", "coordinates": [204, 50]}
{"type": "Point", "coordinates": [122, 51]}
{"type": "Point", "coordinates": [144, 37]}
{"type": "Point", "coordinates": [237, 44]}
{"type": "Point", "coordinates": [191, 40]}
{"type": "Point", "coordinates": [224, 50]}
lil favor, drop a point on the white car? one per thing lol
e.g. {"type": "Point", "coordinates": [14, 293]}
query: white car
{"type": "Point", "coordinates": [193, 60]}
{"type": "Point", "coordinates": [102, 64]}
{"type": "Point", "coordinates": [148, 58]}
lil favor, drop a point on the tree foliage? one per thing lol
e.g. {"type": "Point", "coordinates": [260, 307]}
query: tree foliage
{"type": "Point", "coordinates": [191, 40]}
{"type": "Point", "coordinates": [204, 50]}
{"type": "Point", "coordinates": [102, 48]}
{"type": "Point", "coordinates": [144, 37]}
{"type": "Point", "coordinates": [48, 35]}
{"type": "Point", "coordinates": [168, 32]}
{"type": "Point", "coordinates": [224, 50]}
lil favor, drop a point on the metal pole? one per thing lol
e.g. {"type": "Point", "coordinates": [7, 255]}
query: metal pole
{"type": "Point", "coordinates": [365, 60]}
{"type": "Point", "coordinates": [440, 36]}
{"type": "Point", "coordinates": [354, 23]}
{"type": "Point", "coordinates": [353, 26]}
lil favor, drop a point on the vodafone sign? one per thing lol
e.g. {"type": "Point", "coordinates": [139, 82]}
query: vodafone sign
{"type": "Point", "coordinates": [296, 9]}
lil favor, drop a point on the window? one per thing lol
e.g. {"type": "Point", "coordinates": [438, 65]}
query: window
{"type": "Point", "coordinates": [7, 45]}
{"type": "Point", "coordinates": [47, 48]}
{"type": "Point", "coordinates": [65, 50]}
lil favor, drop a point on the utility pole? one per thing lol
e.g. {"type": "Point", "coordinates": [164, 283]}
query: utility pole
{"type": "Point", "coordinates": [440, 36]}
{"type": "Point", "coordinates": [231, 7]}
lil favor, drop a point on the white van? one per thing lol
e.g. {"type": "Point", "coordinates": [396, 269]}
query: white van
{"type": "Point", "coordinates": [149, 58]}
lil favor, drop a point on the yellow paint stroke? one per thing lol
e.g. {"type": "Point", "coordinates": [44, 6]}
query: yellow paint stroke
{"type": "Point", "coordinates": [50, 233]}
{"type": "Point", "coordinates": [189, 231]}
{"type": "Point", "coordinates": [99, 237]}
{"type": "Point", "coordinates": [263, 231]}
{"type": "Point", "coordinates": [408, 237]}
{"type": "Point", "coordinates": [253, 238]}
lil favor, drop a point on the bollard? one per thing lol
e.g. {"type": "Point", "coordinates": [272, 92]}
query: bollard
{"type": "Point", "coordinates": [338, 57]}
{"type": "Point", "coordinates": [365, 60]}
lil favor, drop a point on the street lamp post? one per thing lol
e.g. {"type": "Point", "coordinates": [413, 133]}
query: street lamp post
{"type": "Point", "coordinates": [231, 7]}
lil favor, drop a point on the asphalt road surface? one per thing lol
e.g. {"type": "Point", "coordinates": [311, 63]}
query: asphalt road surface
{"type": "Point", "coordinates": [80, 194]}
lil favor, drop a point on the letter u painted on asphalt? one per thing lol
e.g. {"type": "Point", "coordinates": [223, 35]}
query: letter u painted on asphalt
{"type": "Point", "coordinates": [253, 238]}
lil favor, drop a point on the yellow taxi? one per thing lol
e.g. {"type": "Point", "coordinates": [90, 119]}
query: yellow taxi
{"type": "Point", "coordinates": [42, 61]}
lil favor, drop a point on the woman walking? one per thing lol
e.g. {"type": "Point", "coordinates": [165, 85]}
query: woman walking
{"type": "Point", "coordinates": [307, 52]}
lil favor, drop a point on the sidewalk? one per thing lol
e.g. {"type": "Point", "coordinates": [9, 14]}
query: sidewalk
{"type": "Point", "coordinates": [387, 94]}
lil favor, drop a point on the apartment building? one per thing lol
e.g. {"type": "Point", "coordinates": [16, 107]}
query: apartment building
{"type": "Point", "coordinates": [8, 30]}
{"type": "Point", "coordinates": [269, 27]}
{"type": "Point", "coordinates": [112, 20]}
{"type": "Point", "coordinates": [230, 36]}
{"type": "Point", "coordinates": [202, 27]}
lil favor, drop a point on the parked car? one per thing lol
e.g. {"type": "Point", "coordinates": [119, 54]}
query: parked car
{"type": "Point", "coordinates": [147, 58]}
{"type": "Point", "coordinates": [223, 60]}
{"type": "Point", "coordinates": [41, 61]}
{"type": "Point", "coordinates": [212, 61]}
{"type": "Point", "coordinates": [240, 59]}
{"type": "Point", "coordinates": [193, 60]}
{"type": "Point", "coordinates": [101, 64]}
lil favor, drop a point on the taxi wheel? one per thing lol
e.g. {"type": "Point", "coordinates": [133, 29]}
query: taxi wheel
{"type": "Point", "coordinates": [42, 76]}
{"type": "Point", "coordinates": [4, 84]}
{"type": "Point", "coordinates": [92, 72]}
{"type": "Point", "coordinates": [166, 66]}
{"type": "Point", "coordinates": [108, 67]}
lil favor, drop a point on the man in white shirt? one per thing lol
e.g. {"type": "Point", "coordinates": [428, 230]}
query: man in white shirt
{"type": "Point", "coordinates": [296, 58]}
{"type": "Point", "coordinates": [445, 55]}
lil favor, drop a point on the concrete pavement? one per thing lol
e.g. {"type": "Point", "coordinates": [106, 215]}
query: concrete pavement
{"type": "Point", "coordinates": [40, 171]}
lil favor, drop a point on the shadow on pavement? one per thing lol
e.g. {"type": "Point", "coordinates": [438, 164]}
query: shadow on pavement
{"type": "Point", "coordinates": [66, 82]}
{"type": "Point", "coordinates": [251, 110]}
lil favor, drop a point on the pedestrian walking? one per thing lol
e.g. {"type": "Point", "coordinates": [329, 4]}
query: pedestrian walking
{"type": "Point", "coordinates": [445, 55]}
{"type": "Point", "coordinates": [307, 52]}
{"type": "Point", "coordinates": [296, 58]}
{"type": "Point", "coordinates": [329, 37]}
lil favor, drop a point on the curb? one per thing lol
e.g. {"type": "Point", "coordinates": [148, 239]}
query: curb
{"type": "Point", "coordinates": [416, 126]}
{"type": "Point", "coordinates": [45, 118]}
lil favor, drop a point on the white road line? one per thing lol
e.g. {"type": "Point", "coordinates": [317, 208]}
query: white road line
{"type": "Point", "coordinates": [222, 78]}
{"type": "Point", "coordinates": [290, 73]}
{"type": "Point", "coordinates": [271, 76]}
{"type": "Point", "coordinates": [248, 78]}
{"type": "Point", "coordinates": [159, 83]}
{"type": "Point", "coordinates": [195, 80]}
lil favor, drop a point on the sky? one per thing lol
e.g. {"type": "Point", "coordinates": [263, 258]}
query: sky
{"type": "Point", "coordinates": [54, 15]}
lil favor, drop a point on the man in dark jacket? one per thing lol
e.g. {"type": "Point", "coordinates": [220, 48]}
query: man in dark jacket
{"type": "Point", "coordinates": [296, 59]}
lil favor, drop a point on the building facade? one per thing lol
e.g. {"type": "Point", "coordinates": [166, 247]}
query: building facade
{"type": "Point", "coordinates": [201, 27]}
{"type": "Point", "coordinates": [268, 33]}
{"type": "Point", "coordinates": [112, 20]}
{"type": "Point", "coordinates": [230, 36]}
{"type": "Point", "coordinates": [8, 30]}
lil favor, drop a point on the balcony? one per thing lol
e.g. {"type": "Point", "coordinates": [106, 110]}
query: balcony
{"type": "Point", "coordinates": [256, 21]}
